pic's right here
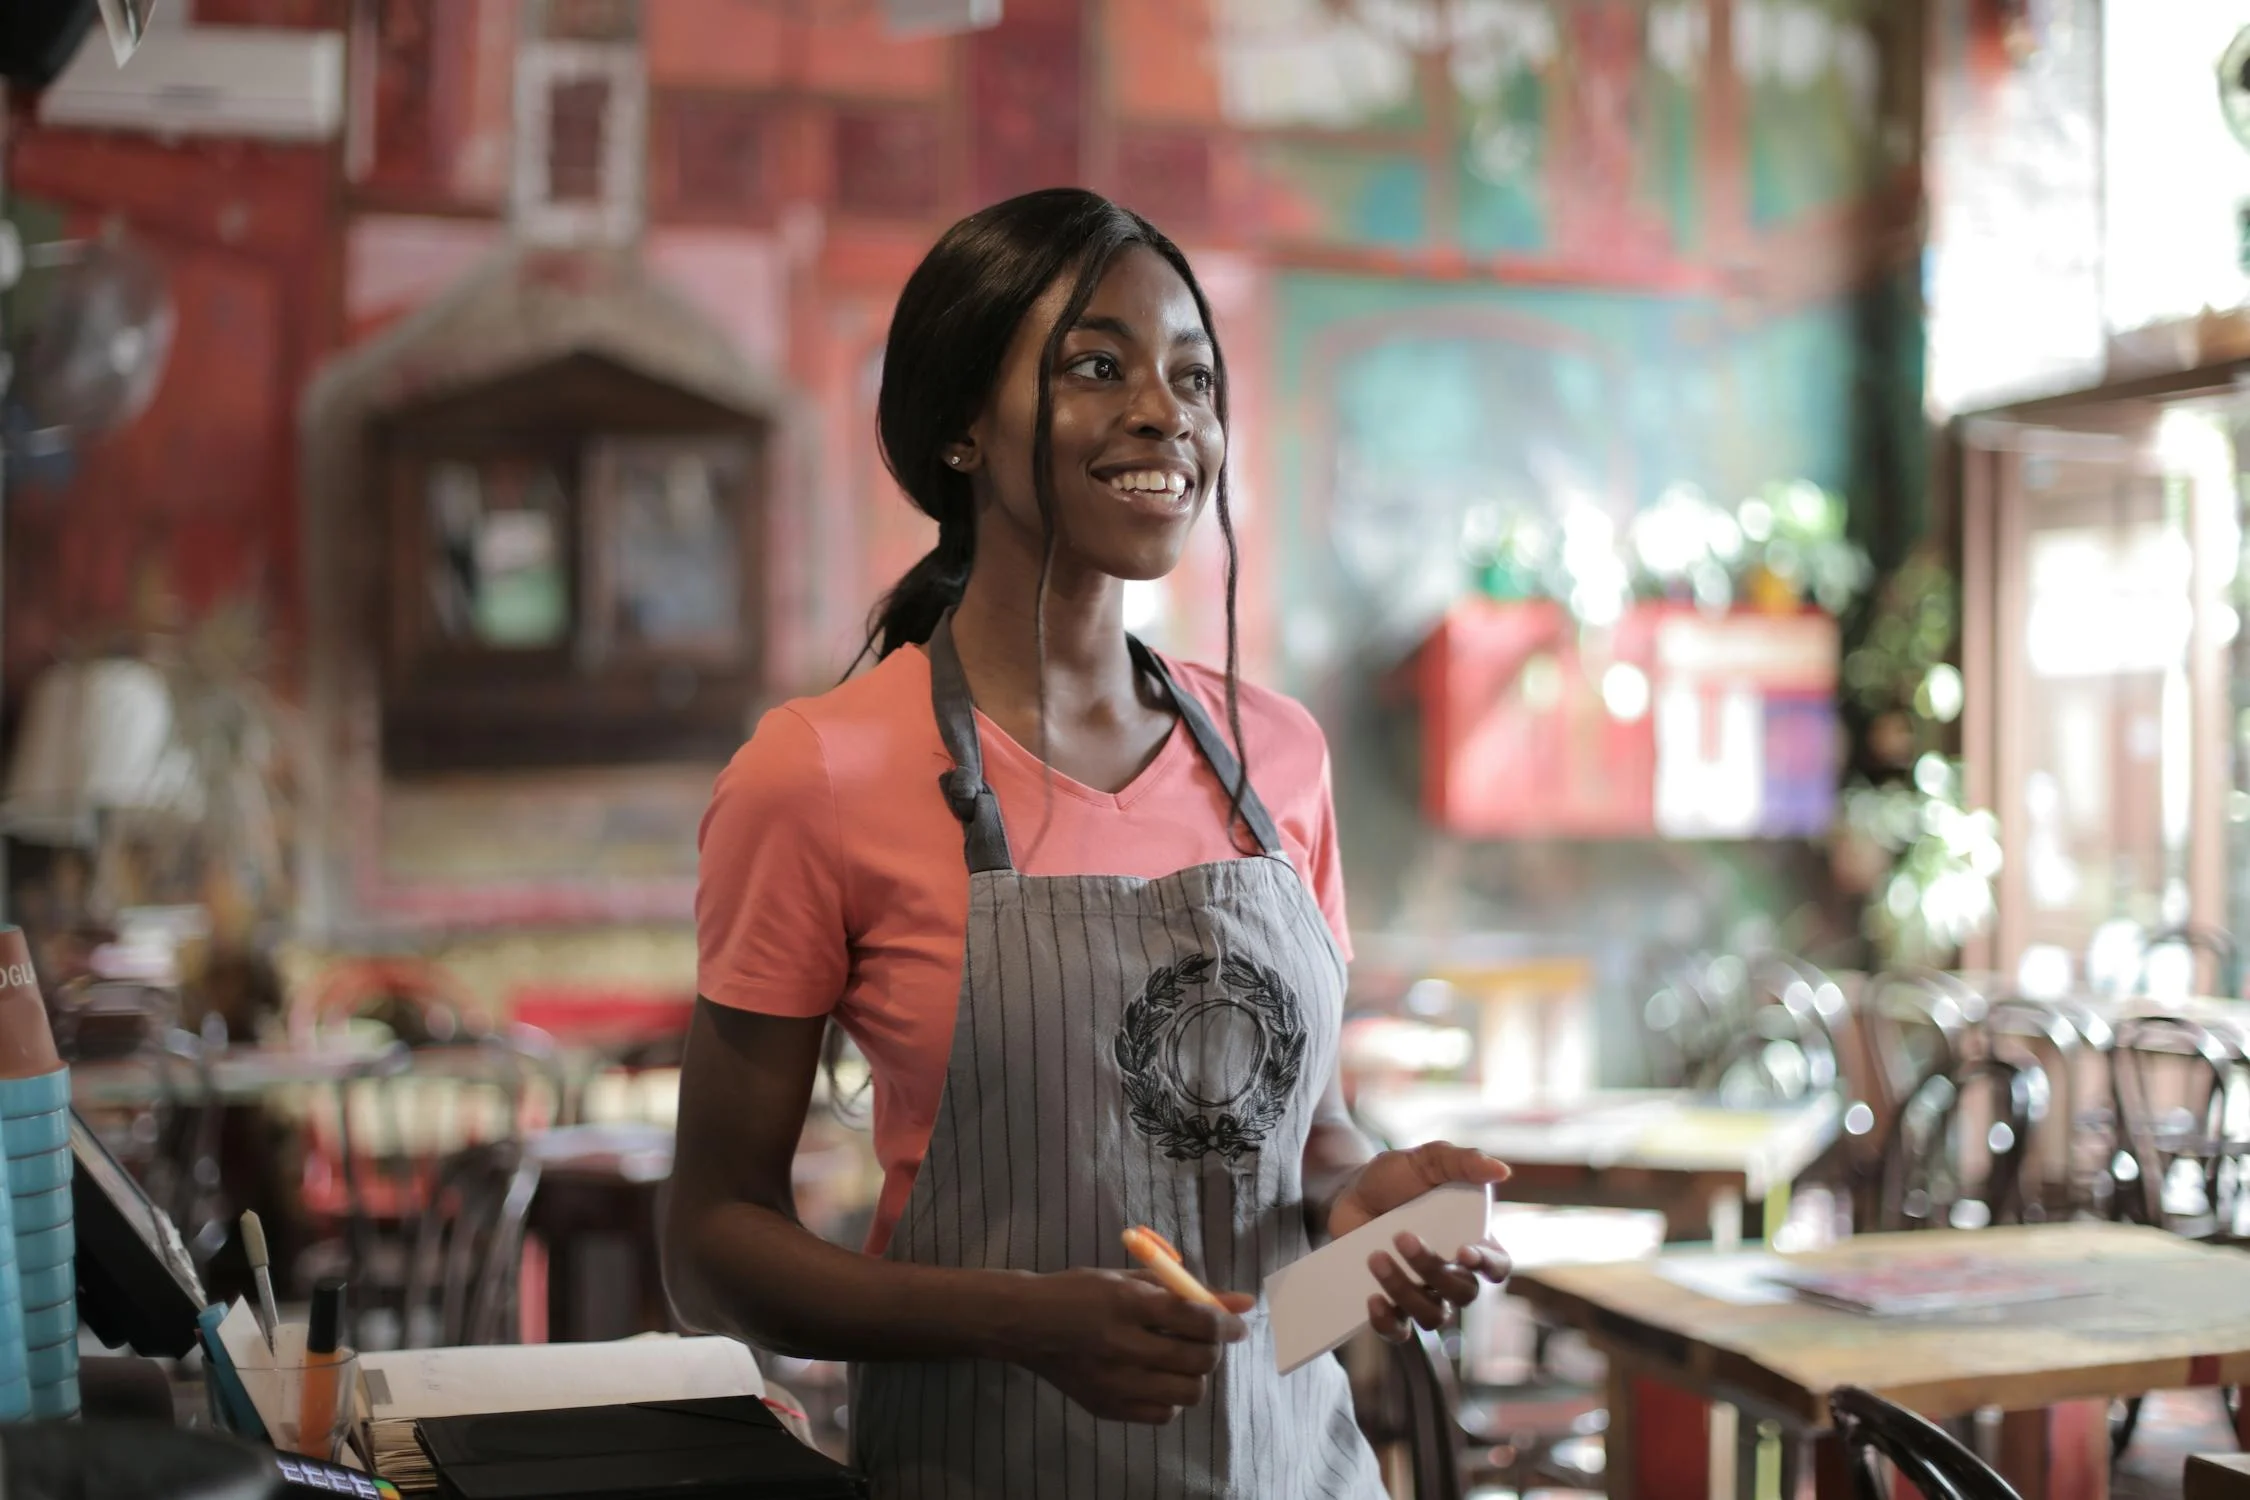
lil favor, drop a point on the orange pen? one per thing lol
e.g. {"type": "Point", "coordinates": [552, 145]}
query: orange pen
{"type": "Point", "coordinates": [1155, 1252]}
{"type": "Point", "coordinates": [316, 1408]}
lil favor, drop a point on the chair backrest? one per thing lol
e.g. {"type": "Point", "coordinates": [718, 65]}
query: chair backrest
{"type": "Point", "coordinates": [171, 1140]}
{"type": "Point", "coordinates": [1926, 1455]}
{"type": "Point", "coordinates": [2181, 1089]}
{"type": "Point", "coordinates": [1917, 1023]}
{"type": "Point", "coordinates": [462, 1281]}
{"type": "Point", "coordinates": [1687, 1020]}
{"type": "Point", "coordinates": [1958, 1151]}
{"type": "Point", "coordinates": [1783, 1048]}
{"type": "Point", "coordinates": [1415, 1411]}
{"type": "Point", "coordinates": [2217, 942]}
{"type": "Point", "coordinates": [2071, 1043]}
{"type": "Point", "coordinates": [374, 1154]}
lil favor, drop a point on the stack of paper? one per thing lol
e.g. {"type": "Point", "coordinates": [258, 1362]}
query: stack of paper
{"type": "Point", "coordinates": [407, 1386]}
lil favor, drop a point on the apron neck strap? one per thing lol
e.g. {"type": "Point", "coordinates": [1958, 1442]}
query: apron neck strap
{"type": "Point", "coordinates": [966, 791]}
{"type": "Point", "coordinates": [1216, 752]}
{"type": "Point", "coordinates": [971, 797]}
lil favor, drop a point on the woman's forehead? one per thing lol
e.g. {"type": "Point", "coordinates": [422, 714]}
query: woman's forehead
{"type": "Point", "coordinates": [1140, 295]}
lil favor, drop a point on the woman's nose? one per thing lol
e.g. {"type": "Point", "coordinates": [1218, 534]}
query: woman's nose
{"type": "Point", "coordinates": [1157, 411]}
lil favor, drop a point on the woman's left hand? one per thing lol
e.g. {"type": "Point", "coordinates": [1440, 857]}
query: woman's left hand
{"type": "Point", "coordinates": [1436, 1286]}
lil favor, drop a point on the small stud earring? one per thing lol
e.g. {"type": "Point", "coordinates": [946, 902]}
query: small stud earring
{"type": "Point", "coordinates": [954, 459]}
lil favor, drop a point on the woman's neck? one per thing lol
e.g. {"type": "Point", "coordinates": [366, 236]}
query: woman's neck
{"type": "Point", "coordinates": [1084, 661]}
{"type": "Point", "coordinates": [1101, 719]}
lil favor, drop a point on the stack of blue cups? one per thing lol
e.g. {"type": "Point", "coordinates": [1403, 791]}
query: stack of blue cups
{"type": "Point", "coordinates": [15, 1372]}
{"type": "Point", "coordinates": [42, 1243]}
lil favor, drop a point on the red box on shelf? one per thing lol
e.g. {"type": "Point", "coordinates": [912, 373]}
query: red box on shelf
{"type": "Point", "coordinates": [1711, 726]}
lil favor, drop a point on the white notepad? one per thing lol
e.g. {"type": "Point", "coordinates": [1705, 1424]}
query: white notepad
{"type": "Point", "coordinates": [1316, 1303]}
{"type": "Point", "coordinates": [477, 1380]}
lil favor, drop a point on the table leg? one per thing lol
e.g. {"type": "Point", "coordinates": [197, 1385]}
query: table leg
{"type": "Point", "coordinates": [1725, 1421]}
{"type": "Point", "coordinates": [1819, 1471]}
{"type": "Point", "coordinates": [1657, 1440]}
{"type": "Point", "coordinates": [2061, 1453]}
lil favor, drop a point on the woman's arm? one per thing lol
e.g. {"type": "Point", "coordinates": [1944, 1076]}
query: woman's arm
{"type": "Point", "coordinates": [737, 1261]}
{"type": "Point", "coordinates": [1334, 1153]}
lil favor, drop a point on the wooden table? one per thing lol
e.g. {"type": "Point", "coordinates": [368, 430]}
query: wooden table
{"type": "Point", "coordinates": [2217, 1476]}
{"type": "Point", "coordinates": [1697, 1163]}
{"type": "Point", "coordinates": [2161, 1313]}
{"type": "Point", "coordinates": [239, 1075]}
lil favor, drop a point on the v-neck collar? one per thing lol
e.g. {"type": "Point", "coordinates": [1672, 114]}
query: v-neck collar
{"type": "Point", "coordinates": [1001, 749]}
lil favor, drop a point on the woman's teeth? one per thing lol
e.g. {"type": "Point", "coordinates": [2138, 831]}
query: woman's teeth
{"type": "Point", "coordinates": [1151, 481]}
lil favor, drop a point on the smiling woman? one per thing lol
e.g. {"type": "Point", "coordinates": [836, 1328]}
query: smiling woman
{"type": "Point", "coordinates": [1130, 1019]}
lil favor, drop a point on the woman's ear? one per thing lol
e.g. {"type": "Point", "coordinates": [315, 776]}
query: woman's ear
{"type": "Point", "coordinates": [963, 457]}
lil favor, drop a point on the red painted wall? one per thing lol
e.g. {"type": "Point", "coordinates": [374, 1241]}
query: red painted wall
{"type": "Point", "coordinates": [799, 160]}
{"type": "Point", "coordinates": [198, 497]}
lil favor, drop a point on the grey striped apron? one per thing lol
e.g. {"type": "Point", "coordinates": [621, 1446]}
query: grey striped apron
{"type": "Point", "coordinates": [1126, 1052]}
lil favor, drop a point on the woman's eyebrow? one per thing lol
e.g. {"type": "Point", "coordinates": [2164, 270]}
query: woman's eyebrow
{"type": "Point", "coordinates": [1100, 323]}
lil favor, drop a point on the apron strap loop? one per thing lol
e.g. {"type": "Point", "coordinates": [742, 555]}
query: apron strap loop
{"type": "Point", "coordinates": [961, 790]}
{"type": "Point", "coordinates": [972, 799]}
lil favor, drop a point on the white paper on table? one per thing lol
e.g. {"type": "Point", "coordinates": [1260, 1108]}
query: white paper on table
{"type": "Point", "coordinates": [1744, 1280]}
{"type": "Point", "coordinates": [1316, 1303]}
{"type": "Point", "coordinates": [414, 1384]}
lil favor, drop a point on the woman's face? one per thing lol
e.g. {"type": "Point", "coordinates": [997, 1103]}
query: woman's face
{"type": "Point", "coordinates": [1137, 440]}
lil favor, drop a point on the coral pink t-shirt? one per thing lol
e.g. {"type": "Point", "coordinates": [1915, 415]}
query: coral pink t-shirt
{"type": "Point", "coordinates": [833, 881]}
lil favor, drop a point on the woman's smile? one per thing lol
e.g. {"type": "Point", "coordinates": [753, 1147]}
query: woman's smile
{"type": "Point", "coordinates": [1160, 490]}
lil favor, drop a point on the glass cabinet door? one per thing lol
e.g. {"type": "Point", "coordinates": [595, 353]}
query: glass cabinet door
{"type": "Point", "coordinates": [2099, 569]}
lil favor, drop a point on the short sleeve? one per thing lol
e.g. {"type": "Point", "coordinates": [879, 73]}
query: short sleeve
{"type": "Point", "coordinates": [1326, 862]}
{"type": "Point", "coordinates": [770, 927]}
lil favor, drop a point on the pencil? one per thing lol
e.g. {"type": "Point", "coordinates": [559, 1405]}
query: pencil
{"type": "Point", "coordinates": [1155, 1252]}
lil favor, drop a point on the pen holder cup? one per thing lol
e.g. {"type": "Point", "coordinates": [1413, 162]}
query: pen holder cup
{"type": "Point", "coordinates": [309, 1402]}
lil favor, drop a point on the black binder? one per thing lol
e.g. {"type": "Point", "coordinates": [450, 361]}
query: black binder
{"type": "Point", "coordinates": [652, 1450]}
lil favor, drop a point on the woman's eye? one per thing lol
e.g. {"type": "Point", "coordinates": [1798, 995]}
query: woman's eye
{"type": "Point", "coordinates": [1201, 380]}
{"type": "Point", "coordinates": [1095, 366]}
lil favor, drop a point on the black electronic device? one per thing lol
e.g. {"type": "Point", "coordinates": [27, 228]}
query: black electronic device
{"type": "Point", "coordinates": [137, 1285]}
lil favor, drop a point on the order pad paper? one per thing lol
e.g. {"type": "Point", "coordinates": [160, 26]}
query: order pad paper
{"type": "Point", "coordinates": [477, 1381]}
{"type": "Point", "coordinates": [1316, 1303]}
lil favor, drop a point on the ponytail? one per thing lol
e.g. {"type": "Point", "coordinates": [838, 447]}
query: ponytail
{"type": "Point", "coordinates": [911, 610]}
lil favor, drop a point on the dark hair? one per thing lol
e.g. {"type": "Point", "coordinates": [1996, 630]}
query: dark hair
{"type": "Point", "coordinates": [955, 319]}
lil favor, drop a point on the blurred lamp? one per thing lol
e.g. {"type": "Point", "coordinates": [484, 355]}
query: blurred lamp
{"type": "Point", "coordinates": [96, 739]}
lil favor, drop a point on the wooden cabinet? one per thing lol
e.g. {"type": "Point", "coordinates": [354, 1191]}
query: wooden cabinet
{"type": "Point", "coordinates": [574, 574]}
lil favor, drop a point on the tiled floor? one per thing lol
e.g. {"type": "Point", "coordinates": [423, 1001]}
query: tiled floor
{"type": "Point", "coordinates": [2174, 1424]}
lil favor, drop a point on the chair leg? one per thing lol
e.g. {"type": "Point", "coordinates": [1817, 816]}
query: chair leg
{"type": "Point", "coordinates": [2124, 1421]}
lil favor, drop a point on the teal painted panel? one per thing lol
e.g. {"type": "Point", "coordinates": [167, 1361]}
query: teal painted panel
{"type": "Point", "coordinates": [1408, 405]}
{"type": "Point", "coordinates": [1501, 168]}
{"type": "Point", "coordinates": [1672, 153]}
{"type": "Point", "coordinates": [1812, 76]}
{"type": "Point", "coordinates": [1342, 195]}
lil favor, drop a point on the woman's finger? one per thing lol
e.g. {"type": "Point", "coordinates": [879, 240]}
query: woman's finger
{"type": "Point", "coordinates": [1407, 1295]}
{"type": "Point", "coordinates": [1441, 1162]}
{"type": "Point", "coordinates": [1454, 1282]}
{"type": "Point", "coordinates": [1489, 1262]}
{"type": "Point", "coordinates": [1385, 1320]}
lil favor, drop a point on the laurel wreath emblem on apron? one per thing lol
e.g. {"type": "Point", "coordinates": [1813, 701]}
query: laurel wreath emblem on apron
{"type": "Point", "coordinates": [1161, 1103]}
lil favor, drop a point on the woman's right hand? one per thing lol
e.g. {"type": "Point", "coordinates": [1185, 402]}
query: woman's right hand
{"type": "Point", "coordinates": [1122, 1346]}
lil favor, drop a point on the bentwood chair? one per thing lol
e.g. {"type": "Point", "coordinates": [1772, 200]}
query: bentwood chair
{"type": "Point", "coordinates": [1928, 1457]}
